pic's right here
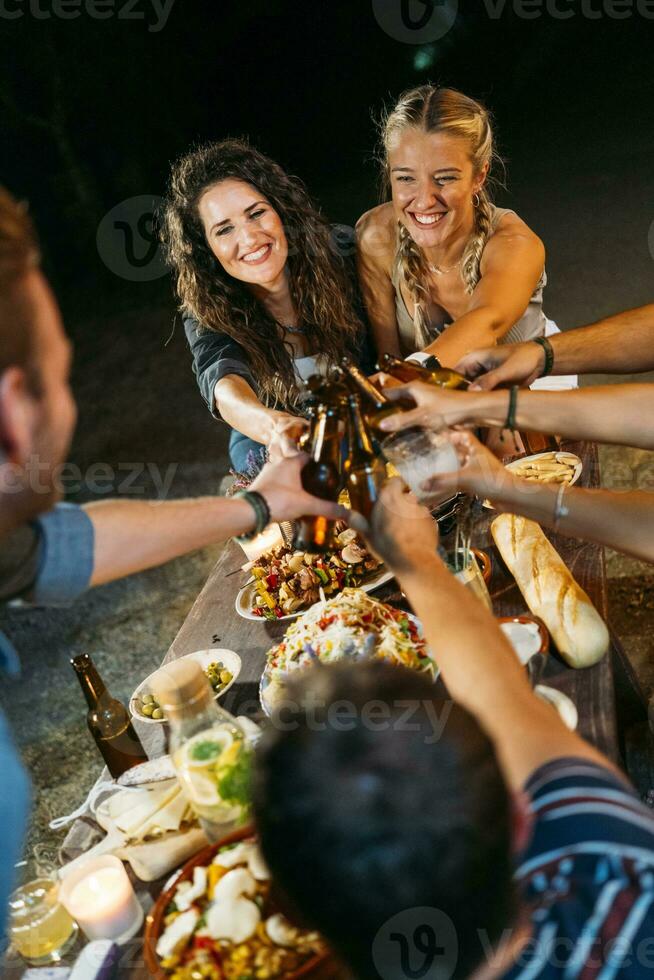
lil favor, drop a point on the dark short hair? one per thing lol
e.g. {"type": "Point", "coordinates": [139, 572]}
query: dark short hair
{"type": "Point", "coordinates": [18, 254]}
{"type": "Point", "coordinates": [360, 823]}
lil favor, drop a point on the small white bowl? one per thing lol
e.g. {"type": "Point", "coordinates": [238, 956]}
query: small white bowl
{"type": "Point", "coordinates": [230, 661]}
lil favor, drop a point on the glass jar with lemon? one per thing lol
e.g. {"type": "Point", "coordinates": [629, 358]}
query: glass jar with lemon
{"type": "Point", "coordinates": [208, 748]}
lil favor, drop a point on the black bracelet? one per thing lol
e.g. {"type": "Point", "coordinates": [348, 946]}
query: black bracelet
{"type": "Point", "coordinates": [513, 404]}
{"type": "Point", "coordinates": [261, 510]}
{"type": "Point", "coordinates": [549, 355]}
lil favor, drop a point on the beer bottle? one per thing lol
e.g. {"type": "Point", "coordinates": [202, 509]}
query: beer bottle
{"type": "Point", "coordinates": [410, 371]}
{"type": "Point", "coordinates": [365, 470]}
{"type": "Point", "coordinates": [108, 720]}
{"type": "Point", "coordinates": [321, 477]}
{"type": "Point", "coordinates": [376, 406]}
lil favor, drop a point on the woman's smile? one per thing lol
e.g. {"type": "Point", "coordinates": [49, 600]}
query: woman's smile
{"type": "Point", "coordinates": [259, 255]}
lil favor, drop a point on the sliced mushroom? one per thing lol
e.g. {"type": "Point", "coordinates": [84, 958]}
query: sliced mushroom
{"type": "Point", "coordinates": [353, 554]}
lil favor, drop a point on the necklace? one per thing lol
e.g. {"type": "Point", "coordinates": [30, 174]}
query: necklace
{"type": "Point", "coordinates": [288, 329]}
{"type": "Point", "coordinates": [436, 269]}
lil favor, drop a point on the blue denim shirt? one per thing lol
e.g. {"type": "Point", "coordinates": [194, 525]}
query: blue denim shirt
{"type": "Point", "coordinates": [60, 568]}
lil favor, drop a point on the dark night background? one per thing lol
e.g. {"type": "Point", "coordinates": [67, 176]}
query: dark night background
{"type": "Point", "coordinates": [93, 111]}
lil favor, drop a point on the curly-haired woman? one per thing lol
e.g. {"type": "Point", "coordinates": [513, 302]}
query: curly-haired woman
{"type": "Point", "coordinates": [442, 269]}
{"type": "Point", "coordinates": [266, 297]}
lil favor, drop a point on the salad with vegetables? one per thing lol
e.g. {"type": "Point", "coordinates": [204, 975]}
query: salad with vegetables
{"type": "Point", "coordinates": [351, 625]}
{"type": "Point", "coordinates": [222, 924]}
{"type": "Point", "coordinates": [287, 581]}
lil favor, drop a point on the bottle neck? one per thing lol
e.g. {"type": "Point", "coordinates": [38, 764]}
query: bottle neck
{"type": "Point", "coordinates": [366, 387]}
{"type": "Point", "coordinates": [92, 685]}
{"type": "Point", "coordinates": [361, 444]}
{"type": "Point", "coordinates": [326, 442]}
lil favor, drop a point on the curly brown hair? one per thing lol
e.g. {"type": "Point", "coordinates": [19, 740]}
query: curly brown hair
{"type": "Point", "coordinates": [319, 285]}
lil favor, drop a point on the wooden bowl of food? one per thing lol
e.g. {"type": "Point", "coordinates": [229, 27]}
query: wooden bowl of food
{"type": "Point", "coordinates": [195, 904]}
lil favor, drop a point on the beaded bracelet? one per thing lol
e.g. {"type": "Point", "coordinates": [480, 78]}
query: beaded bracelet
{"type": "Point", "coordinates": [549, 355]}
{"type": "Point", "coordinates": [261, 510]}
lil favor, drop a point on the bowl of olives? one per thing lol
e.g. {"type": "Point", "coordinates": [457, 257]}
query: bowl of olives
{"type": "Point", "coordinates": [221, 667]}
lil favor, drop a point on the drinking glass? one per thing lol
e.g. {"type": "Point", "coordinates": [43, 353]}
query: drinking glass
{"type": "Point", "coordinates": [417, 455]}
{"type": "Point", "coordinates": [40, 928]}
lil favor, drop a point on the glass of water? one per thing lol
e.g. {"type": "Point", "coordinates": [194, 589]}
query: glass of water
{"type": "Point", "coordinates": [419, 454]}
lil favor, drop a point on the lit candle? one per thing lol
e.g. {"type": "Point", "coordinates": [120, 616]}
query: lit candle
{"type": "Point", "coordinates": [99, 895]}
{"type": "Point", "coordinates": [268, 539]}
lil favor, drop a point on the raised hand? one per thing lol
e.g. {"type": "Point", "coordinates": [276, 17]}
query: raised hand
{"type": "Point", "coordinates": [503, 365]}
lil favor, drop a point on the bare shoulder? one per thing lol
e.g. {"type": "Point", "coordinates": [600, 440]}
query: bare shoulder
{"type": "Point", "coordinates": [512, 227]}
{"type": "Point", "coordinates": [376, 235]}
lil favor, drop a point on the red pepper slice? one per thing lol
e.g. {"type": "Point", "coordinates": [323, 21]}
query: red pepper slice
{"type": "Point", "coordinates": [271, 581]}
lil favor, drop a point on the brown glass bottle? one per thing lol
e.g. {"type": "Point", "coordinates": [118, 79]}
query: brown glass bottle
{"type": "Point", "coordinates": [376, 405]}
{"type": "Point", "coordinates": [321, 477]}
{"type": "Point", "coordinates": [366, 472]}
{"type": "Point", "coordinates": [108, 720]}
{"type": "Point", "coordinates": [410, 371]}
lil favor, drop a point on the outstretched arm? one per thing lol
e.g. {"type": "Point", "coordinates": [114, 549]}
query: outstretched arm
{"type": "Point", "coordinates": [622, 414]}
{"type": "Point", "coordinates": [621, 520]}
{"type": "Point", "coordinates": [240, 407]}
{"type": "Point", "coordinates": [133, 535]}
{"type": "Point", "coordinates": [621, 344]}
{"type": "Point", "coordinates": [478, 664]}
{"type": "Point", "coordinates": [512, 264]}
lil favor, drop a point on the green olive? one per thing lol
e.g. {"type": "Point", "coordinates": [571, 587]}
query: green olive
{"type": "Point", "coordinates": [147, 709]}
{"type": "Point", "coordinates": [157, 714]}
{"type": "Point", "coordinates": [225, 676]}
{"type": "Point", "coordinates": [148, 699]}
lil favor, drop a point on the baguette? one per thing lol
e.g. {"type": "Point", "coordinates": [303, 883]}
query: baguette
{"type": "Point", "coordinates": [550, 590]}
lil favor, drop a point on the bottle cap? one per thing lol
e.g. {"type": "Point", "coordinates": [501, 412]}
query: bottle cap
{"type": "Point", "coordinates": [81, 662]}
{"type": "Point", "coordinates": [179, 684]}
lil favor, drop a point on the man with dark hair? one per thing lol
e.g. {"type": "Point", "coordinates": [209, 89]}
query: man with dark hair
{"type": "Point", "coordinates": [473, 838]}
{"type": "Point", "coordinates": [51, 552]}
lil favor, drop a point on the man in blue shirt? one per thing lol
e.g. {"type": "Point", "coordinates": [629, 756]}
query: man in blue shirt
{"type": "Point", "coordinates": [50, 552]}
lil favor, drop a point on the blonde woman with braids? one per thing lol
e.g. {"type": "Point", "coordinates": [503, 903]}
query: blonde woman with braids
{"type": "Point", "coordinates": [266, 298]}
{"type": "Point", "coordinates": [442, 270]}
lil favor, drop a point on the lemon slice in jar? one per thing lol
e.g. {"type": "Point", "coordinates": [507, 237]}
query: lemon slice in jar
{"type": "Point", "coordinates": [203, 790]}
{"type": "Point", "coordinates": [204, 750]}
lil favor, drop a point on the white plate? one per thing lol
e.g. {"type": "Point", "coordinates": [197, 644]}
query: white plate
{"type": "Point", "coordinates": [245, 598]}
{"type": "Point", "coordinates": [266, 680]}
{"type": "Point", "coordinates": [528, 459]}
{"type": "Point", "coordinates": [230, 660]}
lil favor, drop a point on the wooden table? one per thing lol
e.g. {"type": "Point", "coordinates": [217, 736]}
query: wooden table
{"type": "Point", "coordinates": [214, 622]}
